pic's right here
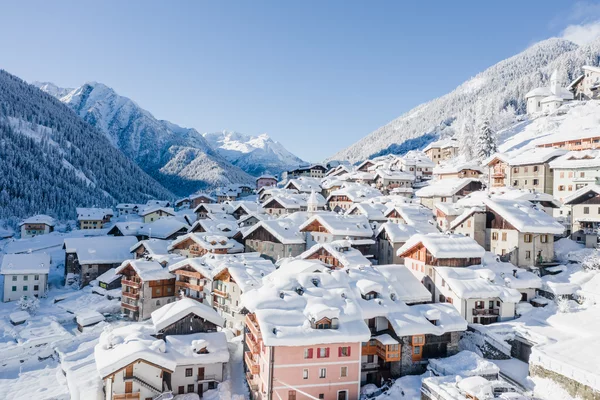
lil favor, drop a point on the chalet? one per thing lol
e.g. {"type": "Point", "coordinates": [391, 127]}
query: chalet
{"type": "Point", "coordinates": [204, 209]}
{"type": "Point", "coordinates": [585, 86]}
{"type": "Point", "coordinates": [146, 286]}
{"type": "Point", "coordinates": [458, 171]}
{"type": "Point", "coordinates": [422, 253]}
{"type": "Point", "coordinates": [328, 227]}
{"type": "Point", "coordinates": [390, 237]}
{"type": "Point", "coordinates": [265, 181]}
{"type": "Point", "coordinates": [373, 211]}
{"type": "Point", "coordinates": [418, 164]}
{"type": "Point", "coordinates": [416, 215]}
{"type": "Point", "coordinates": [200, 198]}
{"type": "Point", "coordinates": [304, 185]}
{"type": "Point", "coordinates": [150, 247]}
{"type": "Point", "coordinates": [338, 171]}
{"type": "Point", "coordinates": [350, 193]}
{"type": "Point", "coordinates": [311, 171]}
{"type": "Point", "coordinates": [585, 211]}
{"type": "Point", "coordinates": [441, 150]}
{"type": "Point", "coordinates": [25, 275]}
{"type": "Point", "coordinates": [127, 209]}
{"type": "Point", "coordinates": [197, 245]}
{"type": "Point", "coordinates": [129, 228]}
{"type": "Point", "coordinates": [471, 222]}
{"type": "Point", "coordinates": [88, 258]}
{"type": "Point", "coordinates": [166, 228]}
{"type": "Point", "coordinates": [36, 225]}
{"type": "Point", "coordinates": [241, 208]}
{"type": "Point", "coordinates": [575, 170]}
{"type": "Point", "coordinates": [184, 316]}
{"type": "Point", "coordinates": [365, 165]}
{"type": "Point", "coordinates": [193, 279]}
{"type": "Point", "coordinates": [182, 204]}
{"type": "Point", "coordinates": [447, 191]}
{"type": "Point", "coordinates": [520, 232]}
{"type": "Point", "coordinates": [498, 170]}
{"type": "Point", "coordinates": [445, 213]}
{"type": "Point", "coordinates": [93, 218]}
{"type": "Point", "coordinates": [153, 213]}
{"type": "Point", "coordinates": [360, 177]}
{"type": "Point", "coordinates": [330, 185]}
{"type": "Point", "coordinates": [249, 220]}
{"type": "Point", "coordinates": [159, 203]}
{"type": "Point", "coordinates": [211, 227]}
{"type": "Point", "coordinates": [388, 180]}
{"type": "Point", "coordinates": [337, 254]}
{"type": "Point", "coordinates": [275, 239]}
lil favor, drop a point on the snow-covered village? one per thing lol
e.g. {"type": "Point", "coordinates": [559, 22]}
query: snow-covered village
{"type": "Point", "coordinates": [450, 254]}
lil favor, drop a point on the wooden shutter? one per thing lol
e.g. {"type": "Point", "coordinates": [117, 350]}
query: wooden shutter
{"type": "Point", "coordinates": [128, 387]}
{"type": "Point", "coordinates": [339, 351]}
{"type": "Point", "coordinates": [310, 353]}
{"type": "Point", "coordinates": [349, 348]}
{"type": "Point", "coordinates": [327, 352]}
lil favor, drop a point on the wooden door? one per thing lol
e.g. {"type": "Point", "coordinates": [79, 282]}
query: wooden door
{"type": "Point", "coordinates": [201, 374]}
{"type": "Point", "coordinates": [128, 387]}
{"type": "Point", "coordinates": [129, 371]}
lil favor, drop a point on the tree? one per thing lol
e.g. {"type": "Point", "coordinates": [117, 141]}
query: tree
{"type": "Point", "coordinates": [486, 141]}
{"type": "Point", "coordinates": [29, 304]}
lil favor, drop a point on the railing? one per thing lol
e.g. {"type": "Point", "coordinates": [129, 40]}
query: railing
{"type": "Point", "coordinates": [181, 284]}
{"type": "Point", "coordinates": [252, 365]}
{"type": "Point", "coordinates": [130, 307]}
{"type": "Point", "coordinates": [250, 379]}
{"type": "Point", "coordinates": [146, 384]}
{"type": "Point", "coordinates": [220, 293]}
{"type": "Point", "coordinates": [130, 295]}
{"type": "Point", "coordinates": [222, 307]}
{"type": "Point", "coordinates": [126, 396]}
{"type": "Point", "coordinates": [369, 366]}
{"type": "Point", "coordinates": [252, 345]}
{"type": "Point", "coordinates": [164, 396]}
{"type": "Point", "coordinates": [189, 274]}
{"type": "Point", "coordinates": [130, 283]}
{"type": "Point", "coordinates": [205, 378]}
{"type": "Point", "coordinates": [486, 311]}
{"type": "Point", "coordinates": [253, 326]}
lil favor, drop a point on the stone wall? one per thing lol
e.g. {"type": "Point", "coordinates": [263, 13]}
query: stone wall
{"type": "Point", "coordinates": [574, 388]}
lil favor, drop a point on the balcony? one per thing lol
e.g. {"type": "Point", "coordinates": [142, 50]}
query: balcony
{"type": "Point", "coordinates": [253, 326]}
{"type": "Point", "coordinates": [189, 274]}
{"type": "Point", "coordinates": [486, 311]}
{"type": "Point", "coordinates": [253, 385]}
{"type": "Point", "coordinates": [130, 307]}
{"type": "Point", "coordinates": [133, 284]}
{"type": "Point", "coordinates": [187, 285]}
{"type": "Point", "coordinates": [220, 293]}
{"type": "Point", "coordinates": [252, 365]}
{"type": "Point", "coordinates": [126, 396]}
{"type": "Point", "coordinates": [498, 174]}
{"type": "Point", "coordinates": [131, 295]}
{"type": "Point", "coordinates": [369, 366]}
{"type": "Point", "coordinates": [252, 345]}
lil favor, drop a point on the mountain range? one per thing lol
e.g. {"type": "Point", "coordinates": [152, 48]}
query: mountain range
{"type": "Point", "coordinates": [52, 161]}
{"type": "Point", "coordinates": [496, 94]}
{"type": "Point", "coordinates": [181, 159]}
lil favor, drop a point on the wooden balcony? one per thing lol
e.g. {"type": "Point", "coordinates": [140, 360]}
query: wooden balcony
{"type": "Point", "coordinates": [131, 295]}
{"type": "Point", "coordinates": [130, 307]}
{"type": "Point", "coordinates": [252, 345]}
{"type": "Point", "coordinates": [220, 293]}
{"type": "Point", "coordinates": [133, 284]}
{"type": "Point", "coordinates": [253, 385]}
{"type": "Point", "coordinates": [486, 311]}
{"type": "Point", "coordinates": [498, 174]}
{"type": "Point", "coordinates": [189, 274]}
{"type": "Point", "coordinates": [126, 396]}
{"type": "Point", "coordinates": [187, 285]}
{"type": "Point", "coordinates": [252, 365]}
{"type": "Point", "coordinates": [253, 326]}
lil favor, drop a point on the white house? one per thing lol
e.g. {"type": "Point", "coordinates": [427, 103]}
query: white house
{"type": "Point", "coordinates": [545, 99]}
{"type": "Point", "coordinates": [25, 275]}
{"type": "Point", "coordinates": [36, 225]}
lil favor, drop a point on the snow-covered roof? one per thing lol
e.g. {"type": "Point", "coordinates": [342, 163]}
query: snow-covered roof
{"type": "Point", "coordinates": [100, 250]}
{"type": "Point", "coordinates": [373, 211]}
{"type": "Point", "coordinates": [92, 214]}
{"type": "Point", "coordinates": [416, 158]}
{"type": "Point", "coordinates": [304, 184]}
{"type": "Point", "coordinates": [539, 92]}
{"type": "Point", "coordinates": [355, 192]}
{"type": "Point", "coordinates": [415, 320]}
{"type": "Point", "coordinates": [476, 284]}
{"type": "Point", "coordinates": [284, 229]}
{"type": "Point", "coordinates": [163, 227]}
{"type": "Point", "coordinates": [119, 347]}
{"type": "Point", "coordinates": [444, 187]}
{"type": "Point", "coordinates": [88, 317]}
{"type": "Point", "coordinates": [397, 233]}
{"type": "Point", "coordinates": [153, 246]}
{"type": "Point", "coordinates": [341, 250]}
{"type": "Point", "coordinates": [185, 349]}
{"type": "Point", "coordinates": [109, 276]}
{"type": "Point", "coordinates": [219, 208]}
{"type": "Point", "coordinates": [401, 281]}
{"type": "Point", "coordinates": [442, 144]}
{"type": "Point", "coordinates": [586, 191]}
{"type": "Point", "coordinates": [39, 219]}
{"type": "Point", "coordinates": [129, 228]}
{"type": "Point", "coordinates": [394, 175]}
{"type": "Point", "coordinates": [147, 270]}
{"type": "Point", "coordinates": [209, 242]}
{"type": "Point", "coordinates": [342, 225]}
{"type": "Point", "coordinates": [508, 274]}
{"type": "Point", "coordinates": [577, 159]}
{"type": "Point", "coordinates": [466, 363]}
{"type": "Point", "coordinates": [535, 155]}
{"type": "Point", "coordinates": [33, 263]}
{"type": "Point", "coordinates": [198, 195]}
{"type": "Point", "coordinates": [450, 209]}
{"type": "Point", "coordinates": [222, 228]}
{"type": "Point", "coordinates": [197, 263]}
{"type": "Point", "coordinates": [454, 168]}
{"type": "Point", "coordinates": [173, 312]}
{"type": "Point", "coordinates": [295, 201]}
{"type": "Point", "coordinates": [246, 269]}
{"type": "Point", "coordinates": [524, 216]}
{"type": "Point", "coordinates": [442, 245]}
{"type": "Point", "coordinates": [415, 215]}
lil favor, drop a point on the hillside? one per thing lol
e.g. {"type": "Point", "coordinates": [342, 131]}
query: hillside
{"type": "Point", "coordinates": [496, 94]}
{"type": "Point", "coordinates": [254, 154]}
{"type": "Point", "coordinates": [52, 161]}
{"type": "Point", "coordinates": [179, 158]}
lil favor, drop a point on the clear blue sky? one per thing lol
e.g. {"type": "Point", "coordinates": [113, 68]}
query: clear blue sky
{"type": "Point", "coordinates": [314, 75]}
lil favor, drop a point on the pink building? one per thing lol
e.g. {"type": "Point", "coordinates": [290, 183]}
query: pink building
{"type": "Point", "coordinates": [265, 181]}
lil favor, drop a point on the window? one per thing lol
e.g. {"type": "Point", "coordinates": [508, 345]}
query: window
{"type": "Point", "coordinates": [181, 389]}
{"type": "Point", "coordinates": [535, 169]}
{"type": "Point", "coordinates": [491, 304]}
{"type": "Point", "coordinates": [292, 395]}
{"type": "Point", "coordinates": [417, 350]}
{"type": "Point", "coordinates": [344, 372]}
{"type": "Point", "coordinates": [535, 182]}
{"type": "Point", "coordinates": [528, 255]}
{"type": "Point", "coordinates": [344, 351]}
{"type": "Point", "coordinates": [25, 288]}
{"type": "Point", "coordinates": [561, 187]}
{"type": "Point", "coordinates": [36, 277]}
{"type": "Point", "coordinates": [14, 278]}
{"type": "Point", "coordinates": [527, 238]}
{"type": "Point", "coordinates": [321, 395]}
{"type": "Point", "coordinates": [322, 373]}
{"type": "Point", "coordinates": [191, 388]}
{"type": "Point", "coordinates": [308, 353]}
{"type": "Point", "coordinates": [586, 210]}
{"type": "Point", "coordinates": [516, 170]}
{"type": "Point", "coordinates": [544, 238]}
{"type": "Point", "coordinates": [305, 373]}
{"type": "Point", "coordinates": [504, 234]}
{"type": "Point", "coordinates": [418, 340]}
{"type": "Point", "coordinates": [36, 287]}
{"type": "Point", "coordinates": [494, 235]}
{"type": "Point", "coordinates": [323, 352]}
{"type": "Point", "coordinates": [515, 183]}
{"type": "Point", "coordinates": [475, 320]}
{"type": "Point", "coordinates": [582, 174]}
{"type": "Point", "coordinates": [188, 372]}
{"type": "Point", "coordinates": [562, 174]}
{"type": "Point", "coordinates": [14, 288]}
{"type": "Point", "coordinates": [25, 277]}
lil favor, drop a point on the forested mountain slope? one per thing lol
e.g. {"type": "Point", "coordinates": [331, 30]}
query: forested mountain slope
{"type": "Point", "coordinates": [495, 95]}
{"type": "Point", "coordinates": [52, 161]}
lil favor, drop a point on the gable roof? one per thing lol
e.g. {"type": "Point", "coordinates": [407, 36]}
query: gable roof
{"type": "Point", "coordinates": [39, 219]}
{"type": "Point", "coordinates": [100, 249]}
{"type": "Point", "coordinates": [283, 229]}
{"type": "Point", "coordinates": [398, 233]}
{"type": "Point", "coordinates": [173, 312]}
{"type": "Point", "coordinates": [445, 187]}
{"type": "Point", "coordinates": [28, 263]}
{"type": "Point", "coordinates": [587, 191]}
{"type": "Point", "coordinates": [525, 216]}
{"type": "Point", "coordinates": [162, 228]}
{"type": "Point", "coordinates": [341, 250]}
{"type": "Point", "coordinates": [442, 246]}
{"type": "Point", "coordinates": [342, 225]}
{"type": "Point", "coordinates": [209, 242]}
{"type": "Point", "coordinates": [147, 270]}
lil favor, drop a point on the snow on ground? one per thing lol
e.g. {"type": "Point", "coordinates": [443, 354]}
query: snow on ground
{"type": "Point", "coordinates": [515, 369]}
{"type": "Point", "coordinates": [408, 387]}
{"type": "Point", "coordinates": [548, 389]}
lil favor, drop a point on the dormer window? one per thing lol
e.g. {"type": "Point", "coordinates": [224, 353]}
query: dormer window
{"type": "Point", "coordinates": [326, 323]}
{"type": "Point", "coordinates": [370, 295]}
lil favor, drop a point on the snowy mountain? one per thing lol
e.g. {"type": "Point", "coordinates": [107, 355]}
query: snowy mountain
{"type": "Point", "coordinates": [254, 154]}
{"type": "Point", "coordinates": [179, 158]}
{"type": "Point", "coordinates": [51, 161]}
{"type": "Point", "coordinates": [495, 95]}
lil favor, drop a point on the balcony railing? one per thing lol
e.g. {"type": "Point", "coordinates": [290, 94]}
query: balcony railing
{"type": "Point", "coordinates": [131, 295]}
{"type": "Point", "coordinates": [126, 396]}
{"type": "Point", "coordinates": [250, 378]}
{"type": "Point", "coordinates": [486, 311]}
{"type": "Point", "coordinates": [130, 283]}
{"type": "Point", "coordinates": [181, 284]}
{"type": "Point", "coordinates": [220, 293]}
{"type": "Point", "coordinates": [252, 345]}
{"type": "Point", "coordinates": [252, 365]}
{"type": "Point", "coordinates": [130, 307]}
{"type": "Point", "coordinates": [253, 326]}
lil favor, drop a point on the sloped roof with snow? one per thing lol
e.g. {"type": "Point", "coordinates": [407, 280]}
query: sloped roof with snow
{"type": "Point", "coordinates": [183, 348]}
{"type": "Point", "coordinates": [524, 216]}
{"type": "Point", "coordinates": [397, 233]}
{"type": "Point", "coordinates": [416, 215]}
{"type": "Point", "coordinates": [129, 228]}
{"type": "Point", "coordinates": [442, 144]}
{"type": "Point", "coordinates": [305, 184]}
{"type": "Point", "coordinates": [92, 214]}
{"type": "Point", "coordinates": [396, 175]}
{"type": "Point", "coordinates": [209, 242]}
{"type": "Point", "coordinates": [247, 269]}
{"type": "Point", "coordinates": [404, 283]}
{"type": "Point", "coordinates": [476, 284]}
{"type": "Point", "coordinates": [162, 228]}
{"type": "Point", "coordinates": [32, 263]}
{"type": "Point", "coordinates": [196, 263]}
{"type": "Point", "coordinates": [586, 191]}
{"type": "Point", "coordinates": [355, 192]}
{"type": "Point", "coordinates": [535, 155]}
{"type": "Point", "coordinates": [286, 230]}
{"type": "Point", "coordinates": [341, 250]}
{"type": "Point", "coordinates": [101, 249]}
{"type": "Point", "coordinates": [442, 245]}
{"type": "Point", "coordinates": [219, 208]}
{"type": "Point", "coordinates": [173, 312]}
{"type": "Point", "coordinates": [39, 219]}
{"type": "Point", "coordinates": [153, 246]}
{"type": "Point", "coordinates": [109, 276]}
{"type": "Point", "coordinates": [373, 211]}
{"type": "Point", "coordinates": [147, 270]}
{"type": "Point", "coordinates": [344, 225]}
{"type": "Point", "coordinates": [222, 228]}
{"type": "Point", "coordinates": [454, 168]}
{"type": "Point", "coordinates": [578, 159]}
{"type": "Point", "coordinates": [444, 187]}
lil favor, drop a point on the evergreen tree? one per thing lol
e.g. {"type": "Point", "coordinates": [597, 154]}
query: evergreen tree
{"type": "Point", "coordinates": [486, 141]}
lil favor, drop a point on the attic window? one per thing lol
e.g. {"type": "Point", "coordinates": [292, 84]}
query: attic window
{"type": "Point", "coordinates": [326, 323]}
{"type": "Point", "coordinates": [370, 295]}
{"type": "Point", "coordinates": [315, 282]}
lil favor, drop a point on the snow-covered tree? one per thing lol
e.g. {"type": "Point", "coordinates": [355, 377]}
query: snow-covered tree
{"type": "Point", "coordinates": [29, 304]}
{"type": "Point", "coordinates": [486, 141]}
